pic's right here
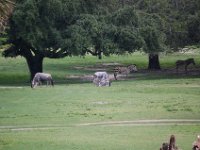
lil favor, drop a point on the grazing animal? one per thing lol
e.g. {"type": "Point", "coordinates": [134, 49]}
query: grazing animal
{"type": "Point", "coordinates": [101, 79]}
{"type": "Point", "coordinates": [184, 63]}
{"type": "Point", "coordinates": [124, 70]}
{"type": "Point", "coordinates": [42, 77]}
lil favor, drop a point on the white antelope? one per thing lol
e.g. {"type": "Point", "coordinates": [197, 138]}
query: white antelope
{"type": "Point", "coordinates": [42, 77]}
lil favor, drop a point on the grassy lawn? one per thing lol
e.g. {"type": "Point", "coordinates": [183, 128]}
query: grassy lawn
{"type": "Point", "coordinates": [49, 118]}
{"type": "Point", "coordinates": [98, 137]}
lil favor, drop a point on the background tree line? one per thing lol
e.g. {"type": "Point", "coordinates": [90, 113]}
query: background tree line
{"type": "Point", "coordinates": [59, 28]}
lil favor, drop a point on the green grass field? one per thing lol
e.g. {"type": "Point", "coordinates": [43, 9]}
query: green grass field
{"type": "Point", "coordinates": [74, 114]}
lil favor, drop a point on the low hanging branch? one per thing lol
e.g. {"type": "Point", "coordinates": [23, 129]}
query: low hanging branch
{"type": "Point", "coordinates": [95, 52]}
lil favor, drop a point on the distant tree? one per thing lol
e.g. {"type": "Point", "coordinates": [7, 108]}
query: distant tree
{"type": "Point", "coordinates": [152, 31]}
{"type": "Point", "coordinates": [193, 28]}
{"type": "Point", "coordinates": [139, 30]}
{"type": "Point", "coordinates": [179, 16]}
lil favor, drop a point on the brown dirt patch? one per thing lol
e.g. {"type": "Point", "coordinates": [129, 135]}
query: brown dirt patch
{"type": "Point", "coordinates": [140, 74]}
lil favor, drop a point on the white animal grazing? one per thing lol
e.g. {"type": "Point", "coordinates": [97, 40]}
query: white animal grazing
{"type": "Point", "coordinates": [101, 79]}
{"type": "Point", "coordinates": [42, 77]}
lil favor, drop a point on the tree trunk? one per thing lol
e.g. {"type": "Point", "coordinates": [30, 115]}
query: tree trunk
{"type": "Point", "coordinates": [154, 63]}
{"type": "Point", "coordinates": [35, 64]}
{"type": "Point", "coordinates": [99, 55]}
{"type": "Point", "coordinates": [98, 51]}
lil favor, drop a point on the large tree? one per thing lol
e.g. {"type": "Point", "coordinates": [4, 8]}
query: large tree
{"type": "Point", "coordinates": [139, 30]}
{"type": "Point", "coordinates": [152, 32]}
{"type": "Point", "coordinates": [58, 28]}
{"type": "Point", "coordinates": [35, 32]}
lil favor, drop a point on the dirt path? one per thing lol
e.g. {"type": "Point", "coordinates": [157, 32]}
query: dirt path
{"type": "Point", "coordinates": [161, 122]}
{"type": "Point", "coordinates": [144, 122]}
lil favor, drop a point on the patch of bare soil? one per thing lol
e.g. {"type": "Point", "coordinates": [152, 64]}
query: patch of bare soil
{"type": "Point", "coordinates": [144, 122]}
{"type": "Point", "coordinates": [141, 73]}
{"type": "Point", "coordinates": [172, 71]}
{"type": "Point", "coordinates": [99, 67]}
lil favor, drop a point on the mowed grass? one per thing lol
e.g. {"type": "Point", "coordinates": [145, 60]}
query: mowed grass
{"type": "Point", "coordinates": [98, 138]}
{"type": "Point", "coordinates": [49, 118]}
{"type": "Point", "coordinates": [79, 103]}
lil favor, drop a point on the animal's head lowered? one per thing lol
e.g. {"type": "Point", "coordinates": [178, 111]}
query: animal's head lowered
{"type": "Point", "coordinates": [33, 84]}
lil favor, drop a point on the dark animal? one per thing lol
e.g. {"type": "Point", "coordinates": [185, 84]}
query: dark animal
{"type": "Point", "coordinates": [42, 77]}
{"type": "Point", "coordinates": [124, 70]}
{"type": "Point", "coordinates": [184, 63]}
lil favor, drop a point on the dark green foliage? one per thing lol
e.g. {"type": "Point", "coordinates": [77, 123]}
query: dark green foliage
{"type": "Point", "coordinates": [153, 39]}
{"type": "Point", "coordinates": [126, 16]}
{"type": "Point", "coordinates": [194, 28]}
{"type": "Point", "coordinates": [127, 36]}
{"type": "Point", "coordinates": [37, 25]}
{"type": "Point", "coordinates": [3, 39]}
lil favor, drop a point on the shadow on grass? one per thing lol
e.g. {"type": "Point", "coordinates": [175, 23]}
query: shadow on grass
{"type": "Point", "coordinates": [166, 74]}
{"type": "Point", "coordinates": [85, 77]}
{"type": "Point", "coordinates": [145, 74]}
{"type": "Point", "coordinates": [24, 81]}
